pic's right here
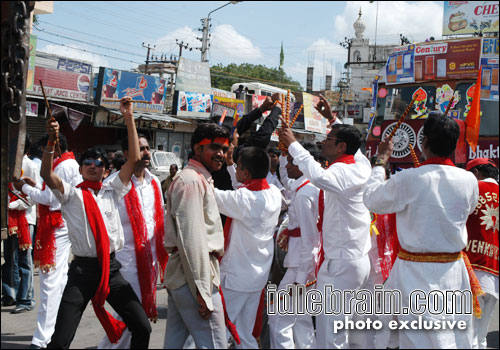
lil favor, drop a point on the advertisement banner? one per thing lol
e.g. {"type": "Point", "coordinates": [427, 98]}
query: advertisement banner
{"type": "Point", "coordinates": [31, 109]}
{"type": "Point", "coordinates": [489, 74]}
{"type": "Point", "coordinates": [469, 17]}
{"type": "Point", "coordinates": [237, 105]}
{"type": "Point", "coordinates": [117, 84]}
{"type": "Point", "coordinates": [313, 120]}
{"type": "Point", "coordinates": [62, 84]}
{"type": "Point", "coordinates": [218, 111]}
{"type": "Point", "coordinates": [194, 104]}
{"type": "Point", "coordinates": [193, 76]}
{"type": "Point", "coordinates": [257, 101]}
{"type": "Point", "coordinates": [31, 65]}
{"type": "Point", "coordinates": [399, 67]}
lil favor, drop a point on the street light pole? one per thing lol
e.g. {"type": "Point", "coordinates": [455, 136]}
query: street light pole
{"type": "Point", "coordinates": [206, 27]}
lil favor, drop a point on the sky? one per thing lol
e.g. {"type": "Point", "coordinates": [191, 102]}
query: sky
{"type": "Point", "coordinates": [112, 34]}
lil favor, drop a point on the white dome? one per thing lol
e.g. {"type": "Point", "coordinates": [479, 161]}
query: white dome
{"type": "Point", "coordinates": [359, 27]}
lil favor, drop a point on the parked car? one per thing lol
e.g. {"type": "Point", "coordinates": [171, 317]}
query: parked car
{"type": "Point", "coordinates": [161, 161]}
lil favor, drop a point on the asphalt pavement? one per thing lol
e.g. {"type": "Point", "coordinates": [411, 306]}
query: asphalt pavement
{"type": "Point", "coordinates": [17, 329]}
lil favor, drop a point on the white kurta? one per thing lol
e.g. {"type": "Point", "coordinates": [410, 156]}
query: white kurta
{"type": "Point", "coordinates": [126, 256]}
{"type": "Point", "coordinates": [432, 204]}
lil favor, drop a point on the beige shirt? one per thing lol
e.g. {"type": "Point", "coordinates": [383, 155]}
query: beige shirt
{"type": "Point", "coordinates": [194, 227]}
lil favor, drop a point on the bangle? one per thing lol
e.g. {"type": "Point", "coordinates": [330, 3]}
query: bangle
{"type": "Point", "coordinates": [380, 162]}
{"type": "Point", "coordinates": [49, 152]}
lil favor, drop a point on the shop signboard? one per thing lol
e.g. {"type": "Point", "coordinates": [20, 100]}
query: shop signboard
{"type": "Point", "coordinates": [400, 65]}
{"type": "Point", "coordinates": [489, 64]}
{"type": "Point", "coordinates": [114, 84]}
{"type": "Point", "coordinates": [194, 104]}
{"type": "Point", "coordinates": [469, 17]}
{"type": "Point", "coordinates": [193, 76]}
{"type": "Point", "coordinates": [62, 84]}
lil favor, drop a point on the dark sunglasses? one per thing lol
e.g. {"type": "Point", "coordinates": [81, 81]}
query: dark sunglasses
{"type": "Point", "coordinates": [97, 162]}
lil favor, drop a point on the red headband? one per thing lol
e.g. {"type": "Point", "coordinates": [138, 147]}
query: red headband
{"type": "Point", "coordinates": [220, 140]}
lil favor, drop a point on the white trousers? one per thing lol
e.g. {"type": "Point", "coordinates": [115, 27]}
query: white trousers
{"type": "Point", "coordinates": [342, 275]}
{"type": "Point", "coordinates": [241, 308]}
{"type": "Point", "coordinates": [51, 290]}
{"type": "Point", "coordinates": [291, 331]}
{"type": "Point", "coordinates": [487, 303]}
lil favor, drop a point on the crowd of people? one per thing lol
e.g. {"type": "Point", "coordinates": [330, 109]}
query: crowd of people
{"type": "Point", "coordinates": [210, 233]}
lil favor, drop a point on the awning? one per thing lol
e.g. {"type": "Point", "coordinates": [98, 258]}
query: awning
{"type": "Point", "coordinates": [53, 99]}
{"type": "Point", "coordinates": [152, 116]}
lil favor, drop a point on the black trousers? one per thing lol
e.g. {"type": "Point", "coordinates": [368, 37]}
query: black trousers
{"type": "Point", "coordinates": [83, 279]}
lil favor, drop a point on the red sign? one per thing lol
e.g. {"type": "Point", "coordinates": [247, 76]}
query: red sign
{"type": "Point", "coordinates": [61, 84]}
{"type": "Point", "coordinates": [447, 60]}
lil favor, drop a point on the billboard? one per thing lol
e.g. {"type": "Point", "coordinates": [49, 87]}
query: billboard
{"type": "Point", "coordinates": [237, 105]}
{"type": "Point", "coordinates": [193, 76]}
{"type": "Point", "coordinates": [313, 120]}
{"type": "Point", "coordinates": [489, 74]}
{"type": "Point", "coordinates": [114, 84]}
{"type": "Point", "coordinates": [400, 64]}
{"type": "Point", "coordinates": [31, 64]}
{"type": "Point", "coordinates": [469, 17]}
{"type": "Point", "coordinates": [194, 104]}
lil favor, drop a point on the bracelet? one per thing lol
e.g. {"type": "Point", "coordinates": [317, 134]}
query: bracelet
{"type": "Point", "coordinates": [49, 152]}
{"type": "Point", "coordinates": [380, 162]}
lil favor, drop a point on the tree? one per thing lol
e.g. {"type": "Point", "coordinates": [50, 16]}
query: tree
{"type": "Point", "coordinates": [223, 77]}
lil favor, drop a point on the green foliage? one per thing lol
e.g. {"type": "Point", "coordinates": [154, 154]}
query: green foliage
{"type": "Point", "coordinates": [225, 76]}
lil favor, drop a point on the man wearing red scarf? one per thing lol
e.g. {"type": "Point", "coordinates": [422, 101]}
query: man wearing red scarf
{"type": "Point", "coordinates": [482, 245]}
{"type": "Point", "coordinates": [95, 232]}
{"type": "Point", "coordinates": [252, 211]}
{"type": "Point", "coordinates": [143, 255]}
{"type": "Point", "coordinates": [344, 222]}
{"type": "Point", "coordinates": [432, 203]}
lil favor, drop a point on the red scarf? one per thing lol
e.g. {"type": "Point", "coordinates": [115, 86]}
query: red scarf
{"type": "Point", "coordinates": [18, 224]}
{"type": "Point", "coordinates": [439, 161]}
{"type": "Point", "coordinates": [346, 159]}
{"type": "Point", "coordinates": [143, 251]}
{"type": "Point", "coordinates": [48, 222]}
{"type": "Point", "coordinates": [252, 185]}
{"type": "Point", "coordinates": [113, 327]}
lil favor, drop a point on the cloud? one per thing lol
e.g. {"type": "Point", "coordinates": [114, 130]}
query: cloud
{"type": "Point", "coordinates": [167, 44]}
{"type": "Point", "coordinates": [77, 54]}
{"type": "Point", "coordinates": [227, 43]}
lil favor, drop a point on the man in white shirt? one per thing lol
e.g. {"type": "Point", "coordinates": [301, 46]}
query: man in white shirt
{"type": "Point", "coordinates": [52, 245]}
{"type": "Point", "coordinates": [432, 203]}
{"type": "Point", "coordinates": [482, 246]}
{"type": "Point", "coordinates": [301, 240]}
{"type": "Point", "coordinates": [345, 221]}
{"type": "Point", "coordinates": [143, 255]}
{"type": "Point", "coordinates": [254, 210]}
{"type": "Point", "coordinates": [18, 245]}
{"type": "Point", "coordinates": [96, 233]}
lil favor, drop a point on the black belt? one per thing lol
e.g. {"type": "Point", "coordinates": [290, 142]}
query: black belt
{"type": "Point", "coordinates": [88, 259]}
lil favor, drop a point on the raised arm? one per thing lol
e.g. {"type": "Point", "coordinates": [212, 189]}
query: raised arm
{"type": "Point", "coordinates": [51, 179]}
{"type": "Point", "coordinates": [134, 156]}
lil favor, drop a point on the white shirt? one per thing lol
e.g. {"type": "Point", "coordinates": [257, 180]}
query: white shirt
{"type": "Point", "coordinates": [303, 213]}
{"type": "Point", "coordinates": [29, 170]}
{"type": "Point", "coordinates": [73, 211]}
{"type": "Point", "coordinates": [146, 195]}
{"type": "Point", "coordinates": [247, 261]}
{"type": "Point", "coordinates": [346, 220]}
{"type": "Point", "coordinates": [68, 171]}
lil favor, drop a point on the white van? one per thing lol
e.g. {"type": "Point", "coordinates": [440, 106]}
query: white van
{"type": "Point", "coordinates": [161, 161]}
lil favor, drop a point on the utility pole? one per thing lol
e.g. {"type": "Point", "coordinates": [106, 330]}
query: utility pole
{"type": "Point", "coordinates": [147, 57]}
{"type": "Point", "coordinates": [181, 46]}
{"type": "Point", "coordinates": [204, 40]}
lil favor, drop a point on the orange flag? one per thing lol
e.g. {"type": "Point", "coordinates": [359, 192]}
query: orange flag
{"type": "Point", "coordinates": [473, 120]}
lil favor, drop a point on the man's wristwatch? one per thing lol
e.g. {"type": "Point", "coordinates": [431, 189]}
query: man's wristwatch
{"type": "Point", "coordinates": [380, 162]}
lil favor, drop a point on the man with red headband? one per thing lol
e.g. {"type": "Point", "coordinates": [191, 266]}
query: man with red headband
{"type": "Point", "coordinates": [96, 233]}
{"type": "Point", "coordinates": [195, 240]}
{"type": "Point", "coordinates": [432, 203]}
{"type": "Point", "coordinates": [482, 245]}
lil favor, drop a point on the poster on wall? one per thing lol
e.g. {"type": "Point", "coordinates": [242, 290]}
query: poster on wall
{"type": "Point", "coordinates": [194, 104]}
{"type": "Point", "coordinates": [116, 84]}
{"type": "Point", "coordinates": [313, 120]}
{"type": "Point", "coordinates": [489, 64]}
{"type": "Point", "coordinates": [469, 17]}
{"type": "Point", "coordinates": [399, 67]}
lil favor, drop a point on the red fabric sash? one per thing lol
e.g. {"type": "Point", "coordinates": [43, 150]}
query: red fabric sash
{"type": "Point", "coordinates": [143, 251]}
{"type": "Point", "coordinates": [439, 161]}
{"type": "Point", "coordinates": [482, 227]}
{"type": "Point", "coordinates": [252, 185]}
{"type": "Point", "coordinates": [113, 327]}
{"type": "Point", "coordinates": [387, 242]}
{"type": "Point", "coordinates": [161, 253]}
{"type": "Point", "coordinates": [48, 222]}
{"type": "Point", "coordinates": [18, 224]}
{"type": "Point", "coordinates": [346, 159]}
